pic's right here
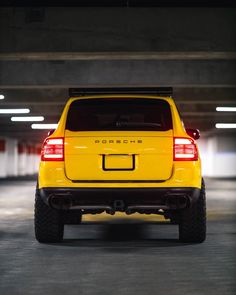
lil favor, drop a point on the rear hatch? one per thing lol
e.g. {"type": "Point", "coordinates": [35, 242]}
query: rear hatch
{"type": "Point", "coordinates": [123, 139]}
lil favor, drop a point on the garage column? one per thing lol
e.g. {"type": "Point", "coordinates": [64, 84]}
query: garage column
{"type": "Point", "coordinates": [22, 159]}
{"type": "Point", "coordinates": [30, 159]}
{"type": "Point", "coordinates": [218, 156]}
{"type": "Point", "coordinates": [12, 157]}
{"type": "Point", "coordinates": [211, 156]}
{"type": "Point", "coordinates": [37, 156]}
{"type": "Point", "coordinates": [3, 158]}
{"type": "Point", "coordinates": [225, 157]}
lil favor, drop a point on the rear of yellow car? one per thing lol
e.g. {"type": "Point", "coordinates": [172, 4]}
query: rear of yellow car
{"type": "Point", "coordinates": [120, 152]}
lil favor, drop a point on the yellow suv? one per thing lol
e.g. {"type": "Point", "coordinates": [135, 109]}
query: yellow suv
{"type": "Point", "coordinates": [124, 150]}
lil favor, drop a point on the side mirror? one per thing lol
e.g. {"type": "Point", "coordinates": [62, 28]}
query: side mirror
{"type": "Point", "coordinates": [194, 133]}
{"type": "Point", "coordinates": [51, 132]}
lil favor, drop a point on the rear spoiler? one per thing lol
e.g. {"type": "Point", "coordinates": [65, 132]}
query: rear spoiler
{"type": "Point", "coordinates": [160, 91]}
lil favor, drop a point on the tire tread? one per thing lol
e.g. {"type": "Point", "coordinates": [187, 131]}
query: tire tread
{"type": "Point", "coordinates": [48, 223]}
{"type": "Point", "coordinates": [192, 226]}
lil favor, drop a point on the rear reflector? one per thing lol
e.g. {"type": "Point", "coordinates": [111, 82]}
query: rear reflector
{"type": "Point", "coordinates": [53, 149]}
{"type": "Point", "coordinates": [185, 149]}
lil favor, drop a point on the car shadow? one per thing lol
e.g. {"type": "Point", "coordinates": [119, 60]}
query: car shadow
{"type": "Point", "coordinates": [122, 235]}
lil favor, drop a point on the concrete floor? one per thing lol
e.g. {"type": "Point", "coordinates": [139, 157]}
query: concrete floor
{"type": "Point", "coordinates": [116, 255]}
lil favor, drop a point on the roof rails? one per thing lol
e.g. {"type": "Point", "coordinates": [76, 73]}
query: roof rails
{"type": "Point", "coordinates": [160, 91]}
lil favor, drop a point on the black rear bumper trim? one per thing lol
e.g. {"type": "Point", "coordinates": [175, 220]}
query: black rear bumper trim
{"type": "Point", "coordinates": [164, 197]}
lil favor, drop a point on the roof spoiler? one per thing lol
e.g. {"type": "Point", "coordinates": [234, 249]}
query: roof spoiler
{"type": "Point", "coordinates": [160, 91]}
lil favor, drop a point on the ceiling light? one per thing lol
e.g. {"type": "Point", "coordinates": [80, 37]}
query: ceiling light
{"type": "Point", "coordinates": [44, 126]}
{"type": "Point", "coordinates": [226, 125]}
{"type": "Point", "coordinates": [226, 109]}
{"type": "Point", "coordinates": [27, 119]}
{"type": "Point", "coordinates": [2, 96]}
{"type": "Point", "coordinates": [14, 111]}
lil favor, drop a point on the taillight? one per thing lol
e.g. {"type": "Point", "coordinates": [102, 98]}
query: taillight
{"type": "Point", "coordinates": [53, 149]}
{"type": "Point", "coordinates": [185, 149]}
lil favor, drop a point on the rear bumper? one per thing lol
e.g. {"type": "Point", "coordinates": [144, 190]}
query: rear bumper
{"type": "Point", "coordinates": [186, 174]}
{"type": "Point", "coordinates": [128, 200]}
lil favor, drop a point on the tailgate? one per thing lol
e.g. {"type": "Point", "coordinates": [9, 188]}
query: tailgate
{"type": "Point", "coordinates": [118, 156]}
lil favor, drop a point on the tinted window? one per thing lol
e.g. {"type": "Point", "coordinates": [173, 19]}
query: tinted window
{"type": "Point", "coordinates": [119, 114]}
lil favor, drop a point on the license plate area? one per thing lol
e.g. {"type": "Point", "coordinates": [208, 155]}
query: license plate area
{"type": "Point", "coordinates": [118, 162]}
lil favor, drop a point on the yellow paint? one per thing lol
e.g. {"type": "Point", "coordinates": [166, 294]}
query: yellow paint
{"type": "Point", "coordinates": [83, 156]}
{"type": "Point", "coordinates": [119, 161]}
{"type": "Point", "coordinates": [122, 217]}
{"type": "Point", "coordinates": [152, 150]}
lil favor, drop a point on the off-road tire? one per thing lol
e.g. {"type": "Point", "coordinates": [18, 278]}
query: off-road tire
{"type": "Point", "coordinates": [48, 222]}
{"type": "Point", "coordinates": [72, 216]}
{"type": "Point", "coordinates": [192, 224]}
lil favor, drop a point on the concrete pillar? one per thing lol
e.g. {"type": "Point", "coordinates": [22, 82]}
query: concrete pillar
{"type": "Point", "coordinates": [202, 146]}
{"type": "Point", "coordinates": [22, 159]}
{"type": "Point", "coordinates": [3, 158]}
{"type": "Point", "coordinates": [37, 157]}
{"type": "Point", "coordinates": [12, 157]}
{"type": "Point", "coordinates": [30, 159]}
{"type": "Point", "coordinates": [211, 156]}
{"type": "Point", "coordinates": [218, 156]}
{"type": "Point", "coordinates": [208, 151]}
{"type": "Point", "coordinates": [18, 158]}
{"type": "Point", "coordinates": [225, 157]}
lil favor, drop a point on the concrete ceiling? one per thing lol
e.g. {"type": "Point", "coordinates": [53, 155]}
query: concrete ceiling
{"type": "Point", "coordinates": [45, 51]}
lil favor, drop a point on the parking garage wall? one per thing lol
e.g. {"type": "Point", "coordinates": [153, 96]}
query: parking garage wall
{"type": "Point", "coordinates": [2, 158]}
{"type": "Point", "coordinates": [17, 158]}
{"type": "Point", "coordinates": [218, 156]}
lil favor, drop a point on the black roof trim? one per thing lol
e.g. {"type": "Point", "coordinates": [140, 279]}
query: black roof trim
{"type": "Point", "coordinates": [118, 3]}
{"type": "Point", "coordinates": [160, 91]}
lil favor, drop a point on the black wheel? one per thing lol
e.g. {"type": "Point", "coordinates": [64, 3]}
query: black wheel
{"type": "Point", "coordinates": [192, 224]}
{"type": "Point", "coordinates": [48, 222]}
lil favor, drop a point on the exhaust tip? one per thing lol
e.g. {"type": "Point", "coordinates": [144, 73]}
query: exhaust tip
{"type": "Point", "coordinates": [61, 203]}
{"type": "Point", "coordinates": [177, 201]}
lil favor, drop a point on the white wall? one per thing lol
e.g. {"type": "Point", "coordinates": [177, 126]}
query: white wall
{"type": "Point", "coordinates": [22, 159]}
{"type": "Point", "coordinates": [32, 159]}
{"type": "Point", "coordinates": [12, 157]}
{"type": "Point", "coordinates": [37, 157]}
{"type": "Point", "coordinates": [3, 158]}
{"type": "Point", "coordinates": [218, 154]}
{"type": "Point", "coordinates": [16, 159]}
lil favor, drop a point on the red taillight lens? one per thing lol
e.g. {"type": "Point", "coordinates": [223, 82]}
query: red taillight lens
{"type": "Point", "coordinates": [53, 149]}
{"type": "Point", "coordinates": [185, 149]}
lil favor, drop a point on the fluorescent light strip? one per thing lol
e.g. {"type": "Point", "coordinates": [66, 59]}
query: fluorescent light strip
{"type": "Point", "coordinates": [14, 111]}
{"type": "Point", "coordinates": [27, 119]}
{"type": "Point", "coordinates": [226, 109]}
{"type": "Point", "coordinates": [226, 125]}
{"type": "Point", "coordinates": [44, 126]}
{"type": "Point", "coordinates": [2, 96]}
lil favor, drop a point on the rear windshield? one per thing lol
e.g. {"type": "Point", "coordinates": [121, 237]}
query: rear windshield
{"type": "Point", "coordinates": [119, 114]}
